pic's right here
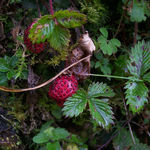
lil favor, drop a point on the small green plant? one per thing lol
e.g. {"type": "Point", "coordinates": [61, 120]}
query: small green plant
{"type": "Point", "coordinates": [127, 141]}
{"type": "Point", "coordinates": [108, 47]}
{"type": "Point", "coordinates": [50, 138]}
{"type": "Point", "coordinates": [12, 68]}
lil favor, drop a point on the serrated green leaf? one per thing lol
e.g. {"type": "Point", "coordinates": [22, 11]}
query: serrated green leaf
{"type": "Point", "coordinates": [139, 59]}
{"type": "Point", "coordinates": [70, 19]}
{"type": "Point", "coordinates": [101, 111]}
{"type": "Point", "coordinates": [99, 89]}
{"type": "Point", "coordinates": [59, 38]}
{"type": "Point", "coordinates": [136, 95]}
{"type": "Point", "coordinates": [53, 146]}
{"type": "Point", "coordinates": [137, 12]}
{"type": "Point", "coordinates": [104, 32]}
{"type": "Point", "coordinates": [75, 104]}
{"type": "Point", "coordinates": [140, 146]}
{"type": "Point", "coordinates": [146, 77]}
{"type": "Point", "coordinates": [115, 42]}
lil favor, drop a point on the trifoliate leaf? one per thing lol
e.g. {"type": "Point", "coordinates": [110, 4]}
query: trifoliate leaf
{"type": "Point", "coordinates": [136, 95]}
{"type": "Point", "coordinates": [75, 104]}
{"type": "Point", "coordinates": [139, 60]}
{"type": "Point", "coordinates": [104, 32]}
{"type": "Point", "coordinates": [101, 111]}
{"type": "Point", "coordinates": [99, 89]}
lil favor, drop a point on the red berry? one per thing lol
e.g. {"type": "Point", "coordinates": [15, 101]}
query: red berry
{"type": "Point", "coordinates": [35, 48]}
{"type": "Point", "coordinates": [62, 88]}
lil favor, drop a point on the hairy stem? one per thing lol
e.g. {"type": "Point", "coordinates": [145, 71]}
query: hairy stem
{"type": "Point", "coordinates": [111, 76]}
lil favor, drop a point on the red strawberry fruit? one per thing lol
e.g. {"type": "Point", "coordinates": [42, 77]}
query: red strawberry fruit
{"type": "Point", "coordinates": [62, 88]}
{"type": "Point", "coordinates": [35, 48]}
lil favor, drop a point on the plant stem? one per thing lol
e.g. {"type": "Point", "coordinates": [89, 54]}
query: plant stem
{"type": "Point", "coordinates": [127, 116]}
{"type": "Point", "coordinates": [51, 7]}
{"type": "Point", "coordinates": [110, 76]}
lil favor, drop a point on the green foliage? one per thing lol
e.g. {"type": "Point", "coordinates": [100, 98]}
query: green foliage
{"type": "Point", "coordinates": [12, 67]}
{"type": "Point", "coordinates": [108, 47]}
{"type": "Point", "coordinates": [99, 108]}
{"type": "Point", "coordinates": [75, 104]}
{"type": "Point", "coordinates": [136, 95]}
{"type": "Point", "coordinates": [139, 11]}
{"type": "Point", "coordinates": [139, 146]}
{"type": "Point", "coordinates": [124, 141]}
{"type": "Point", "coordinates": [138, 65]}
{"type": "Point", "coordinates": [95, 11]}
{"type": "Point", "coordinates": [139, 62]}
{"type": "Point", "coordinates": [101, 63]}
{"type": "Point", "coordinates": [54, 28]}
{"type": "Point", "coordinates": [51, 137]}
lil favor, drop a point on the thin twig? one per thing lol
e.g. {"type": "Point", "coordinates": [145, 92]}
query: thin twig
{"type": "Point", "coordinates": [105, 145]}
{"type": "Point", "coordinates": [127, 116]}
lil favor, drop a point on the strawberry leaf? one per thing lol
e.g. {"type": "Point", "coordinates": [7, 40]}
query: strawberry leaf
{"type": "Point", "coordinates": [70, 19]}
{"type": "Point", "coordinates": [101, 111]}
{"type": "Point", "coordinates": [75, 104]}
{"type": "Point", "coordinates": [136, 95]}
{"type": "Point", "coordinates": [99, 89]}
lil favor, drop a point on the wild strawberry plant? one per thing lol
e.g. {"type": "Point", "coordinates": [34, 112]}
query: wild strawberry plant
{"type": "Point", "coordinates": [111, 104]}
